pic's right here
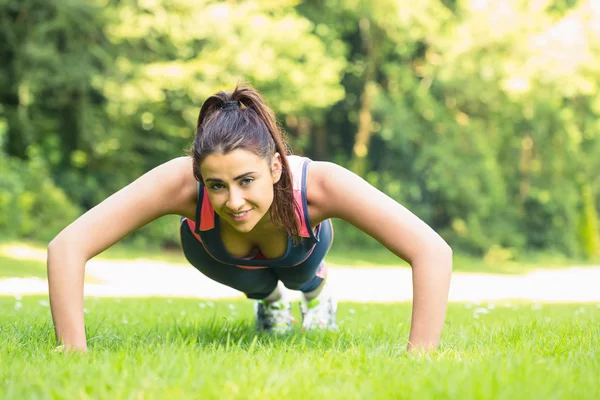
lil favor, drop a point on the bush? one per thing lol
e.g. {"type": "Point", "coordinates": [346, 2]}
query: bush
{"type": "Point", "coordinates": [588, 224]}
{"type": "Point", "coordinates": [31, 205]}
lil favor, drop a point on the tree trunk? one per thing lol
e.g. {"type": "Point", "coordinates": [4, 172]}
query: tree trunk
{"type": "Point", "coordinates": [365, 118]}
{"type": "Point", "coordinates": [525, 168]}
{"type": "Point", "coordinates": [319, 142]}
{"type": "Point", "coordinates": [17, 120]}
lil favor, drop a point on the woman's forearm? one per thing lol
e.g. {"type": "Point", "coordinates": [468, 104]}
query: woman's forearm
{"type": "Point", "coordinates": [66, 272]}
{"type": "Point", "coordinates": [431, 283]}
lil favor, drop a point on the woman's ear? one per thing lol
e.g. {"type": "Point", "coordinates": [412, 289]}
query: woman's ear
{"type": "Point", "coordinates": [276, 168]}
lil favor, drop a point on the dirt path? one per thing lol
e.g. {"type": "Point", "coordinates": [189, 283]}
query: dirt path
{"type": "Point", "coordinates": [150, 278]}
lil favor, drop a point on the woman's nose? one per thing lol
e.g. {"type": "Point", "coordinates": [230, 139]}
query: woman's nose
{"type": "Point", "coordinates": [235, 200]}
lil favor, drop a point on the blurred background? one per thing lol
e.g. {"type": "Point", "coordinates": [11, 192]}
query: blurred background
{"type": "Point", "coordinates": [480, 116]}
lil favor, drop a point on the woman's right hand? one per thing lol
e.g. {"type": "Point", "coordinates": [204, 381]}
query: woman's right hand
{"type": "Point", "coordinates": [63, 349]}
{"type": "Point", "coordinates": [66, 271]}
{"type": "Point", "coordinates": [170, 188]}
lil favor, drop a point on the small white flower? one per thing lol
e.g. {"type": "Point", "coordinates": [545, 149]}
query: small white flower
{"type": "Point", "coordinates": [169, 301]}
{"type": "Point", "coordinates": [124, 321]}
{"type": "Point", "coordinates": [202, 305]}
{"type": "Point", "coordinates": [19, 298]}
{"type": "Point", "coordinates": [86, 311]}
{"type": "Point", "coordinates": [231, 307]}
{"type": "Point", "coordinates": [351, 311]}
{"type": "Point", "coordinates": [210, 304]}
{"type": "Point", "coordinates": [536, 306]}
{"type": "Point", "coordinates": [491, 306]}
{"type": "Point", "coordinates": [18, 305]}
{"type": "Point", "coordinates": [43, 303]}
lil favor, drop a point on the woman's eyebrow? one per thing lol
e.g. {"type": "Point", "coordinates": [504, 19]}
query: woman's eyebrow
{"type": "Point", "coordinates": [235, 179]}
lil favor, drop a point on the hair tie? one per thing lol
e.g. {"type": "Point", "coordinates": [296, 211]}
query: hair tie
{"type": "Point", "coordinates": [230, 105]}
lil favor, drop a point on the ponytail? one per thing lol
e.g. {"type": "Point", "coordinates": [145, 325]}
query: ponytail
{"type": "Point", "coordinates": [242, 119]}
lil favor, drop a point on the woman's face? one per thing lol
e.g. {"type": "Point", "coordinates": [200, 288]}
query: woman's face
{"type": "Point", "coordinates": [240, 186]}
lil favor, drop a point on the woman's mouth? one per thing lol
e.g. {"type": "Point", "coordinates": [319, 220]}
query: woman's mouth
{"type": "Point", "coordinates": [239, 217]}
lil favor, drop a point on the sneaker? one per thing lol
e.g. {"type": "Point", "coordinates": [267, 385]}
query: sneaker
{"type": "Point", "coordinates": [273, 318]}
{"type": "Point", "coordinates": [319, 313]}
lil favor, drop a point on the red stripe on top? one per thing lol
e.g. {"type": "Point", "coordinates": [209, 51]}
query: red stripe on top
{"type": "Point", "coordinates": [192, 226]}
{"type": "Point", "coordinates": [207, 213]}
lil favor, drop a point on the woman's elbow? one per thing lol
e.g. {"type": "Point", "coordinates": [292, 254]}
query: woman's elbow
{"type": "Point", "coordinates": [445, 249]}
{"type": "Point", "coordinates": [55, 244]}
{"type": "Point", "coordinates": [441, 251]}
{"type": "Point", "coordinates": [445, 252]}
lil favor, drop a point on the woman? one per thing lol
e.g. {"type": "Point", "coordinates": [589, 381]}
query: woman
{"type": "Point", "coordinates": [253, 216]}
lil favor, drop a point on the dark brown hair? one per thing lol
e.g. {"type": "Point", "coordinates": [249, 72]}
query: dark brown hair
{"type": "Point", "coordinates": [242, 120]}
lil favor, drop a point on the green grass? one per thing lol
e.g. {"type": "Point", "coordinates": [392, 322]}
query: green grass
{"type": "Point", "coordinates": [25, 268]}
{"type": "Point", "coordinates": [10, 267]}
{"type": "Point", "coordinates": [188, 349]}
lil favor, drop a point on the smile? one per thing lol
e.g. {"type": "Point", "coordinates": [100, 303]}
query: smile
{"type": "Point", "coordinates": [239, 216]}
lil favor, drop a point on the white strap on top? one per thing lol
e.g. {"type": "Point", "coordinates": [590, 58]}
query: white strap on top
{"type": "Point", "coordinates": [296, 163]}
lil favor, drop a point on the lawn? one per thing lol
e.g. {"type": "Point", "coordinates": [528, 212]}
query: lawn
{"type": "Point", "coordinates": [163, 348]}
{"type": "Point", "coordinates": [26, 268]}
{"type": "Point", "coordinates": [10, 267]}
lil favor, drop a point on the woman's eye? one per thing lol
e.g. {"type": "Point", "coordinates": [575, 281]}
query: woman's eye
{"type": "Point", "coordinates": [216, 186]}
{"type": "Point", "coordinates": [247, 181]}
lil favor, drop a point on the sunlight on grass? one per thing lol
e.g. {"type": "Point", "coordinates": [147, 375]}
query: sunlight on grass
{"type": "Point", "coordinates": [19, 261]}
{"type": "Point", "coordinates": [11, 267]}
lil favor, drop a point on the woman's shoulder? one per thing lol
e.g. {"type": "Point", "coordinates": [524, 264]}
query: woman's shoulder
{"type": "Point", "coordinates": [182, 170]}
{"type": "Point", "coordinates": [316, 172]}
{"type": "Point", "coordinates": [317, 175]}
{"type": "Point", "coordinates": [185, 186]}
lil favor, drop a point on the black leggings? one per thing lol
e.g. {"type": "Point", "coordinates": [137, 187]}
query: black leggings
{"type": "Point", "coordinates": [259, 283]}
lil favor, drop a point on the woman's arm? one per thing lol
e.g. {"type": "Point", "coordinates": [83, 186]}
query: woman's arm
{"type": "Point", "coordinates": [336, 192]}
{"type": "Point", "coordinates": [167, 189]}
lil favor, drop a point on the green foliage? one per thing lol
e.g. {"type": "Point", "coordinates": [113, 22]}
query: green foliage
{"type": "Point", "coordinates": [589, 236]}
{"type": "Point", "coordinates": [480, 116]}
{"type": "Point", "coordinates": [31, 205]}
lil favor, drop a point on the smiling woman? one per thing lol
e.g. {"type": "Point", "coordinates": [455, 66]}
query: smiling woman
{"type": "Point", "coordinates": [243, 200]}
{"type": "Point", "coordinates": [253, 216]}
